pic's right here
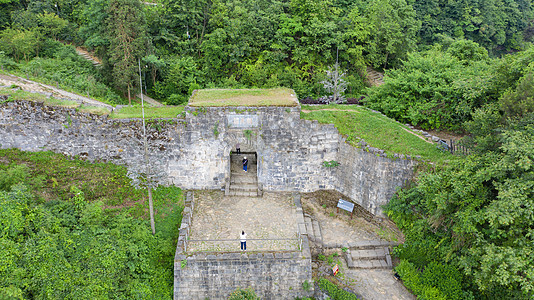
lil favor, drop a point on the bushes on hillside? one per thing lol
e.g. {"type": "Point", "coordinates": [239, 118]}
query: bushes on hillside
{"type": "Point", "coordinates": [435, 282]}
{"type": "Point", "coordinates": [75, 246]}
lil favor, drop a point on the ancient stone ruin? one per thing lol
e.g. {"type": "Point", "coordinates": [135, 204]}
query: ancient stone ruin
{"type": "Point", "coordinates": [195, 151]}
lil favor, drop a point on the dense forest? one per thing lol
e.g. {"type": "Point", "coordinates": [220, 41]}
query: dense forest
{"type": "Point", "coordinates": [460, 65]}
{"type": "Point", "coordinates": [190, 44]}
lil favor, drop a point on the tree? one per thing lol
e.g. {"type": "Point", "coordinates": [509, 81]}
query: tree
{"type": "Point", "coordinates": [335, 83]}
{"type": "Point", "coordinates": [128, 41]}
{"type": "Point", "coordinates": [20, 43]}
{"type": "Point", "coordinates": [394, 27]}
{"type": "Point", "coordinates": [51, 25]}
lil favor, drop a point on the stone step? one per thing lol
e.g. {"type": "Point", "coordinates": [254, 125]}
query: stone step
{"type": "Point", "coordinates": [369, 254]}
{"type": "Point", "coordinates": [240, 179]}
{"type": "Point", "coordinates": [309, 226]}
{"type": "Point", "coordinates": [371, 264]}
{"type": "Point", "coordinates": [371, 244]}
{"type": "Point", "coordinates": [244, 187]}
{"type": "Point", "coordinates": [317, 231]}
{"type": "Point", "coordinates": [242, 193]}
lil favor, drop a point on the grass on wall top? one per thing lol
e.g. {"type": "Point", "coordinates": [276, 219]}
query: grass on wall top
{"type": "Point", "coordinates": [379, 131]}
{"type": "Point", "coordinates": [135, 111]}
{"type": "Point", "coordinates": [243, 97]}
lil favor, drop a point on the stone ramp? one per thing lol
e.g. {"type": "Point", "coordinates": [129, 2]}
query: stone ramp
{"type": "Point", "coordinates": [49, 91]}
{"type": "Point", "coordinates": [313, 228]}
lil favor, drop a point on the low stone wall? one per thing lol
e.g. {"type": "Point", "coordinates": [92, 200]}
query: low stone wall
{"type": "Point", "coordinates": [270, 275]}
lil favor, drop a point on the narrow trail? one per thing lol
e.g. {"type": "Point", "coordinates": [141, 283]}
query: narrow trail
{"type": "Point", "coordinates": [306, 111]}
{"type": "Point", "coordinates": [48, 90]}
{"type": "Point", "coordinates": [418, 136]}
{"type": "Point", "coordinates": [89, 56]}
{"type": "Point", "coordinates": [375, 78]}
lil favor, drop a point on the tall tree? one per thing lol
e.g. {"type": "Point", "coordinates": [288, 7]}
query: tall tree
{"type": "Point", "coordinates": [128, 41]}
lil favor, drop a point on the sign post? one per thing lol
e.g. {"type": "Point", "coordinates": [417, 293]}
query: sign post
{"type": "Point", "coordinates": [335, 270]}
{"type": "Point", "coordinates": [345, 205]}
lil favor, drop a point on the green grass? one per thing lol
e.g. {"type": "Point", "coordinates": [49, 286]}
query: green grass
{"type": "Point", "coordinates": [150, 112]}
{"type": "Point", "coordinates": [244, 97]}
{"type": "Point", "coordinates": [22, 95]}
{"type": "Point", "coordinates": [356, 123]}
{"type": "Point", "coordinates": [55, 174]}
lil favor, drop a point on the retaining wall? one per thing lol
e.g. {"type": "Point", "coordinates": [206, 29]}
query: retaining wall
{"type": "Point", "coordinates": [193, 152]}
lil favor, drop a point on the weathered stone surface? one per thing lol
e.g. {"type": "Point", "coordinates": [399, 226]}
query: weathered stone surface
{"type": "Point", "coordinates": [215, 277]}
{"type": "Point", "coordinates": [193, 153]}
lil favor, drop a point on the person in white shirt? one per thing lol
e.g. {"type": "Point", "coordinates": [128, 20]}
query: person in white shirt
{"type": "Point", "coordinates": [243, 238]}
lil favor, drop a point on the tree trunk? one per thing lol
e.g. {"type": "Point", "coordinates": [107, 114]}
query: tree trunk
{"type": "Point", "coordinates": [151, 208]}
{"type": "Point", "coordinates": [129, 96]}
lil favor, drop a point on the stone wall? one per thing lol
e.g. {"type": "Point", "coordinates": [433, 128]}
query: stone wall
{"type": "Point", "coordinates": [370, 178]}
{"type": "Point", "coordinates": [32, 126]}
{"type": "Point", "coordinates": [270, 275]}
{"type": "Point", "coordinates": [193, 153]}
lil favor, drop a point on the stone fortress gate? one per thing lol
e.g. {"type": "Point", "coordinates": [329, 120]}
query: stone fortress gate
{"type": "Point", "coordinates": [196, 151]}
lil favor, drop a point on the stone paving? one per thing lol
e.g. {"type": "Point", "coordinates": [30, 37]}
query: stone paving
{"type": "Point", "coordinates": [219, 217]}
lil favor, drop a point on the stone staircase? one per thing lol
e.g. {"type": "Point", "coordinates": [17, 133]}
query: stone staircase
{"type": "Point", "coordinates": [243, 184]}
{"type": "Point", "coordinates": [369, 255]}
{"type": "Point", "coordinates": [313, 228]}
{"type": "Point", "coordinates": [87, 56]}
{"type": "Point", "coordinates": [375, 78]}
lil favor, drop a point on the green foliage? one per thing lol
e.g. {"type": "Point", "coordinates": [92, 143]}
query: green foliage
{"type": "Point", "coordinates": [73, 245]}
{"type": "Point", "coordinates": [20, 43]}
{"type": "Point", "coordinates": [437, 281]}
{"type": "Point", "coordinates": [243, 294]}
{"type": "Point", "coordinates": [433, 89]}
{"type": "Point", "coordinates": [330, 164]}
{"type": "Point", "coordinates": [128, 42]}
{"type": "Point", "coordinates": [487, 24]}
{"type": "Point", "coordinates": [216, 130]}
{"type": "Point", "coordinates": [134, 111]}
{"type": "Point", "coordinates": [475, 216]}
{"type": "Point", "coordinates": [334, 291]}
{"type": "Point", "coordinates": [306, 285]}
{"type": "Point", "coordinates": [248, 134]}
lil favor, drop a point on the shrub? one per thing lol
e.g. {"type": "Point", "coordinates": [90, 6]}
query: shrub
{"type": "Point", "coordinates": [435, 282]}
{"type": "Point", "coordinates": [243, 294]}
{"type": "Point", "coordinates": [335, 292]}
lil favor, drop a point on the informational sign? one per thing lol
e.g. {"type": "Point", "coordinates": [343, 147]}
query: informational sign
{"type": "Point", "coordinates": [242, 121]}
{"type": "Point", "coordinates": [335, 270]}
{"type": "Point", "coordinates": [345, 205]}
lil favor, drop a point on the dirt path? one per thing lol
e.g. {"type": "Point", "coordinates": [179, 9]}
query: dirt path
{"type": "Point", "coordinates": [41, 88]}
{"type": "Point", "coordinates": [329, 109]}
{"type": "Point", "coordinates": [417, 135]}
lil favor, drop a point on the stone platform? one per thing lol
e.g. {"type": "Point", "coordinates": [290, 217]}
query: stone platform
{"type": "Point", "coordinates": [270, 222]}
